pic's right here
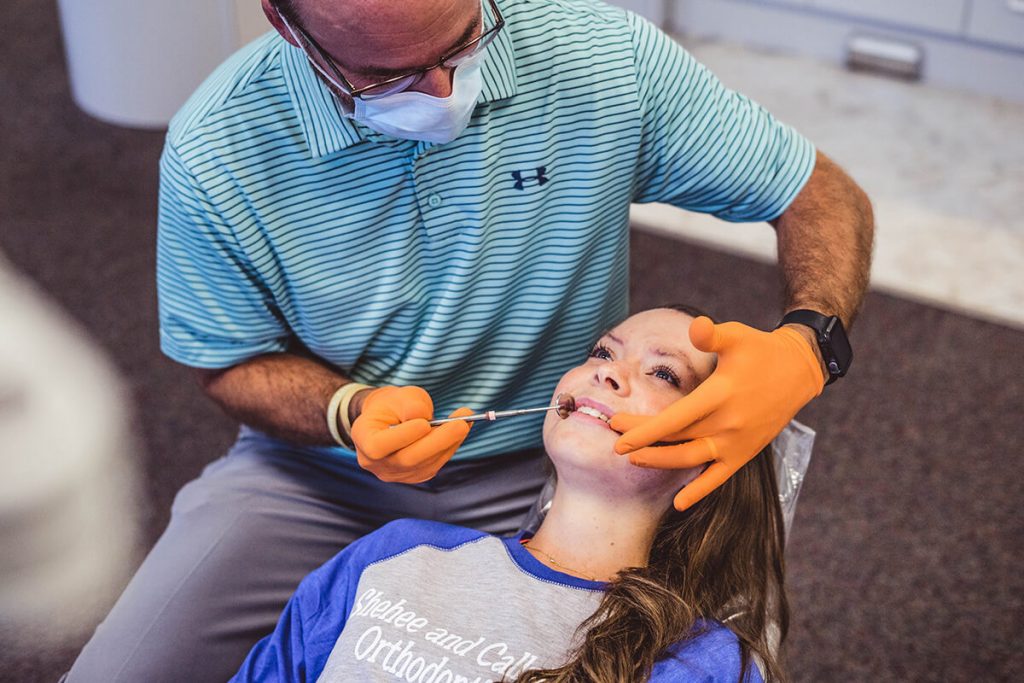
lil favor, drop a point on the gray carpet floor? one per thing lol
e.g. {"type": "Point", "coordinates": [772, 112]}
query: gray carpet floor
{"type": "Point", "coordinates": [905, 558]}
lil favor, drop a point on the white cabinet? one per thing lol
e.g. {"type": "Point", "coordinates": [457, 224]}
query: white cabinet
{"type": "Point", "coordinates": [997, 21]}
{"type": "Point", "coordinates": [976, 45]}
{"type": "Point", "coordinates": [135, 63]}
{"type": "Point", "coordinates": [942, 16]}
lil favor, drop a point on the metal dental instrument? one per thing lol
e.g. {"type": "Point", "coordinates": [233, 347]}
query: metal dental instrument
{"type": "Point", "coordinates": [564, 404]}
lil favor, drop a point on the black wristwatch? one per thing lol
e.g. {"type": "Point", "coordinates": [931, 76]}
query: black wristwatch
{"type": "Point", "coordinates": [835, 347]}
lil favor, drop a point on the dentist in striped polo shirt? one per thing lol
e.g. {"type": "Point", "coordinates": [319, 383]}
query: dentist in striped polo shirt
{"type": "Point", "coordinates": [383, 211]}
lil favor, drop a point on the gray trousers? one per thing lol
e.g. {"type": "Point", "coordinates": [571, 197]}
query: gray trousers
{"type": "Point", "coordinates": [244, 534]}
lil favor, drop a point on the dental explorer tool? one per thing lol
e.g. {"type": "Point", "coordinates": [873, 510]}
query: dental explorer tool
{"type": "Point", "coordinates": [564, 404]}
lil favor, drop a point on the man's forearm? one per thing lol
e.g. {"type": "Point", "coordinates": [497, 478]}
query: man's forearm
{"type": "Point", "coordinates": [281, 394]}
{"type": "Point", "coordinates": [825, 239]}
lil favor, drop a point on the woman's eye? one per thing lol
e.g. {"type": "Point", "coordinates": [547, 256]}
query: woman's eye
{"type": "Point", "coordinates": [666, 374]}
{"type": "Point", "coordinates": [601, 352]}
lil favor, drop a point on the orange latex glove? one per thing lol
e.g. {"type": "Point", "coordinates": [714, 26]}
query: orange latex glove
{"type": "Point", "coordinates": [394, 441]}
{"type": "Point", "coordinates": [762, 380]}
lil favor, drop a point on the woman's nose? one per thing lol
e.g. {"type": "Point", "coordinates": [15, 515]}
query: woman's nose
{"type": "Point", "coordinates": [437, 82]}
{"type": "Point", "coordinates": [610, 376]}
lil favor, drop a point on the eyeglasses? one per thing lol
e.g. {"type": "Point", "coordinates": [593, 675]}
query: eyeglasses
{"type": "Point", "coordinates": [396, 84]}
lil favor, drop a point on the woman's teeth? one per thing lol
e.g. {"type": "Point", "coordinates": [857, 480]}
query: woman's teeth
{"type": "Point", "coordinates": [587, 410]}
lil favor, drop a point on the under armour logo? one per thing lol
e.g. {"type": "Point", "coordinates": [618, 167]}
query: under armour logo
{"type": "Point", "coordinates": [540, 177]}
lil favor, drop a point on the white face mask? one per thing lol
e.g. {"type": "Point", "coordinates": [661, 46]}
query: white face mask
{"type": "Point", "coordinates": [418, 116]}
{"type": "Point", "coordinates": [413, 115]}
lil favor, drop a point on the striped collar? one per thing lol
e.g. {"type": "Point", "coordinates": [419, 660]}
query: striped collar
{"type": "Point", "coordinates": [325, 127]}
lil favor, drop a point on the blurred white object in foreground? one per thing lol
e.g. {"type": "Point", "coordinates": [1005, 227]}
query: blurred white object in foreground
{"type": "Point", "coordinates": [67, 514]}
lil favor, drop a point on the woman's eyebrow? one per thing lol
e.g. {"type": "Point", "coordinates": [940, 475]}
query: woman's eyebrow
{"type": "Point", "coordinates": [678, 355]}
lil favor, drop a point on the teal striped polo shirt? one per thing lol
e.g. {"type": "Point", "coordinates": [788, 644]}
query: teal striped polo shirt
{"type": "Point", "coordinates": [481, 269]}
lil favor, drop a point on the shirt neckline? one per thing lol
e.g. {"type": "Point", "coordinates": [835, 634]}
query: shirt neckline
{"type": "Point", "coordinates": [531, 565]}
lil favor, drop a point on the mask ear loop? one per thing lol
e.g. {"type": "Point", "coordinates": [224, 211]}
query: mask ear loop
{"type": "Point", "coordinates": [331, 79]}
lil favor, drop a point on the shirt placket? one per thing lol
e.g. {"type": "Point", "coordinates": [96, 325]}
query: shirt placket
{"type": "Point", "coordinates": [445, 224]}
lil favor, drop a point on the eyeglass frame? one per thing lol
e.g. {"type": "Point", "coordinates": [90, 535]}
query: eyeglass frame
{"type": "Point", "coordinates": [354, 92]}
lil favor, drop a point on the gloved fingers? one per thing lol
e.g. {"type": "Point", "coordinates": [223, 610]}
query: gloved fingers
{"type": "Point", "coordinates": [385, 470]}
{"type": "Point", "coordinates": [452, 433]}
{"type": "Point", "coordinates": [715, 424]}
{"type": "Point", "coordinates": [411, 402]}
{"type": "Point", "coordinates": [399, 404]}
{"type": "Point", "coordinates": [712, 338]}
{"type": "Point", "coordinates": [708, 480]}
{"type": "Point", "coordinates": [670, 422]}
{"type": "Point", "coordinates": [377, 438]}
{"type": "Point", "coordinates": [462, 412]}
{"type": "Point", "coordinates": [396, 469]}
{"type": "Point", "coordinates": [415, 461]}
{"type": "Point", "coordinates": [427, 470]}
{"type": "Point", "coordinates": [458, 413]}
{"type": "Point", "coordinates": [702, 427]}
{"type": "Point", "coordinates": [430, 446]}
{"type": "Point", "coordinates": [676, 457]}
{"type": "Point", "coordinates": [623, 422]}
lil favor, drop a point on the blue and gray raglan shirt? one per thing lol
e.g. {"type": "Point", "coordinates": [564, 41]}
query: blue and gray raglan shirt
{"type": "Point", "coordinates": [425, 602]}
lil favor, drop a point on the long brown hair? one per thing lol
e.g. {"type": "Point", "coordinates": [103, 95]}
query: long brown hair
{"type": "Point", "coordinates": [721, 560]}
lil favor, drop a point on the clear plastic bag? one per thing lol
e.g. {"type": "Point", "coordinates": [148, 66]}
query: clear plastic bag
{"type": "Point", "coordinates": [540, 508]}
{"type": "Point", "coordinates": [792, 451]}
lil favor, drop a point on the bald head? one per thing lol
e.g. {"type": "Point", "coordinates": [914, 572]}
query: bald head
{"type": "Point", "coordinates": [375, 39]}
{"type": "Point", "coordinates": [377, 16]}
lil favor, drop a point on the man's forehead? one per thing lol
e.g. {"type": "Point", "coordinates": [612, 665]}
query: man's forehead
{"type": "Point", "coordinates": [382, 17]}
{"type": "Point", "coordinates": [388, 34]}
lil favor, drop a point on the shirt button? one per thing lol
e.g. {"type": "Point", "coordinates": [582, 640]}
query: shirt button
{"type": "Point", "coordinates": [434, 200]}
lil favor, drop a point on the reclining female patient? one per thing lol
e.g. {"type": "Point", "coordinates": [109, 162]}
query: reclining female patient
{"type": "Point", "coordinates": [615, 586]}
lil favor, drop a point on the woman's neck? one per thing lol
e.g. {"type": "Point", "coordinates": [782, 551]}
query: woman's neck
{"type": "Point", "coordinates": [590, 535]}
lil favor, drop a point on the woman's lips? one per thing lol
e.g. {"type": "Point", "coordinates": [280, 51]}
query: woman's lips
{"type": "Point", "coordinates": [577, 415]}
{"type": "Point", "coordinates": [591, 404]}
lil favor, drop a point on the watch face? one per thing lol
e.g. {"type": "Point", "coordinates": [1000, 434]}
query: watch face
{"type": "Point", "coordinates": [839, 346]}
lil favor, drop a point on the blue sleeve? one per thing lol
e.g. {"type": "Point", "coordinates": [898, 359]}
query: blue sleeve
{"type": "Point", "coordinates": [282, 656]}
{"type": "Point", "coordinates": [315, 615]}
{"type": "Point", "coordinates": [704, 147]}
{"type": "Point", "coordinates": [215, 310]}
{"type": "Point", "coordinates": [298, 648]}
{"type": "Point", "coordinates": [712, 657]}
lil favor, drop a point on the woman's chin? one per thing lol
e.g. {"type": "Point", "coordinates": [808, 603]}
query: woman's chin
{"type": "Point", "coordinates": [588, 447]}
{"type": "Point", "coordinates": [585, 455]}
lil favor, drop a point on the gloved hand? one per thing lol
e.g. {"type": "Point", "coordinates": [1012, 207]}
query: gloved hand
{"type": "Point", "coordinates": [394, 441]}
{"type": "Point", "coordinates": [762, 380]}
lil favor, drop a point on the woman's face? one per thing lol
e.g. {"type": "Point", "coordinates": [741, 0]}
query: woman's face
{"type": "Point", "coordinates": [641, 366]}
